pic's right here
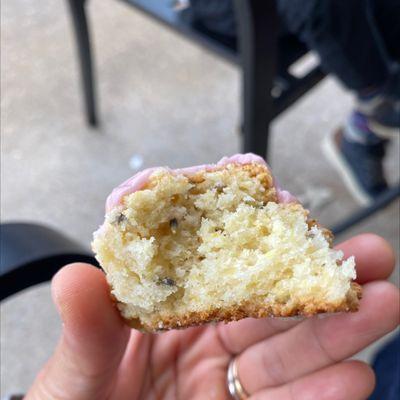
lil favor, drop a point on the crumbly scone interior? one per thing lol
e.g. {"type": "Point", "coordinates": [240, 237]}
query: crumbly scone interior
{"type": "Point", "coordinates": [220, 238]}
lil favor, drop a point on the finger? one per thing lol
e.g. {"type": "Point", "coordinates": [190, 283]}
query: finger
{"type": "Point", "coordinates": [374, 256]}
{"type": "Point", "coordinates": [317, 343]}
{"type": "Point", "coordinates": [374, 260]}
{"type": "Point", "coordinates": [351, 380]}
{"type": "Point", "coordinates": [93, 341]}
{"type": "Point", "coordinates": [131, 377]}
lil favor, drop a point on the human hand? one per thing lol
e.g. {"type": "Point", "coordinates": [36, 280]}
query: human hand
{"type": "Point", "coordinates": [98, 357]}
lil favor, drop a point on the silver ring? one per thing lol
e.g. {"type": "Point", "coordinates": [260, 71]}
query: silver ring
{"type": "Point", "coordinates": [235, 388]}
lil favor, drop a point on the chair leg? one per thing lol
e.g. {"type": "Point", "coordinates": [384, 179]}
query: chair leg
{"type": "Point", "coordinates": [78, 14]}
{"type": "Point", "coordinates": [386, 198]}
{"type": "Point", "coordinates": [257, 35]}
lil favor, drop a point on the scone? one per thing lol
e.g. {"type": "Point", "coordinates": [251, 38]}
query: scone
{"type": "Point", "coordinates": [217, 242]}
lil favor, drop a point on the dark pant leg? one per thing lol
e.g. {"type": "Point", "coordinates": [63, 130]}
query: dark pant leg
{"type": "Point", "coordinates": [340, 32]}
{"type": "Point", "coordinates": [387, 17]}
{"type": "Point", "coordinates": [387, 370]}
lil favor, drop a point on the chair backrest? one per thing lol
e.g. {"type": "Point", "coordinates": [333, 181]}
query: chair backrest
{"type": "Point", "coordinates": [32, 254]}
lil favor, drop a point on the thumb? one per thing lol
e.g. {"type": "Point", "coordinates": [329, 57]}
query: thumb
{"type": "Point", "coordinates": [86, 359]}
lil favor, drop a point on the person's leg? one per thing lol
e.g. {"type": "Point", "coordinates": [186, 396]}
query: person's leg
{"type": "Point", "coordinates": [386, 14]}
{"type": "Point", "coordinates": [357, 41]}
{"type": "Point", "coordinates": [340, 32]}
{"type": "Point", "coordinates": [347, 39]}
{"type": "Point", "coordinates": [383, 107]}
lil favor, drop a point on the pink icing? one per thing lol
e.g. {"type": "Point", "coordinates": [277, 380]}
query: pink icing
{"type": "Point", "coordinates": [284, 196]}
{"type": "Point", "coordinates": [131, 185]}
{"type": "Point", "coordinates": [138, 181]}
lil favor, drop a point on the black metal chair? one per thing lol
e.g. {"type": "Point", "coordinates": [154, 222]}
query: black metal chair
{"type": "Point", "coordinates": [31, 254]}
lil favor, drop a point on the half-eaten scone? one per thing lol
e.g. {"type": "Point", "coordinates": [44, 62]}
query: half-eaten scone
{"type": "Point", "coordinates": [217, 243]}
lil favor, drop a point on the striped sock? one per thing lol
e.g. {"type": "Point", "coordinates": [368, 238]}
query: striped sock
{"type": "Point", "coordinates": [357, 130]}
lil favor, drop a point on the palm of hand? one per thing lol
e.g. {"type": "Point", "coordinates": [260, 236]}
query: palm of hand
{"type": "Point", "coordinates": [189, 364]}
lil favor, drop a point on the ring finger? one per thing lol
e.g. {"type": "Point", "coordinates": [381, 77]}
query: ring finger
{"type": "Point", "coordinates": [350, 380]}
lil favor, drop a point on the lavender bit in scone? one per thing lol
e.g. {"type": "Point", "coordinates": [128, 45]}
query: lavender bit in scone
{"type": "Point", "coordinates": [167, 281]}
{"type": "Point", "coordinates": [173, 223]}
{"type": "Point", "coordinates": [120, 218]}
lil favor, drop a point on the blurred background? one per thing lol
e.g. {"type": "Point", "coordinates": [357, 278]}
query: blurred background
{"type": "Point", "coordinates": [162, 100]}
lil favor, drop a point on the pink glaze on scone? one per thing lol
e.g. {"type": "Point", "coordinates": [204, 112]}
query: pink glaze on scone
{"type": "Point", "coordinates": [138, 181]}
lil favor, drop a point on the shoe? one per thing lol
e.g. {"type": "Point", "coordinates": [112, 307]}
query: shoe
{"type": "Point", "coordinates": [383, 115]}
{"type": "Point", "coordinates": [361, 165]}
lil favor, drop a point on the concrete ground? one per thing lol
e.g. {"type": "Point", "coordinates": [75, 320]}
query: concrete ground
{"type": "Point", "coordinates": [162, 99]}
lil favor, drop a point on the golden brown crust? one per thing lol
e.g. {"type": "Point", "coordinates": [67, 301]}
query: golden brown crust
{"type": "Point", "coordinates": [250, 309]}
